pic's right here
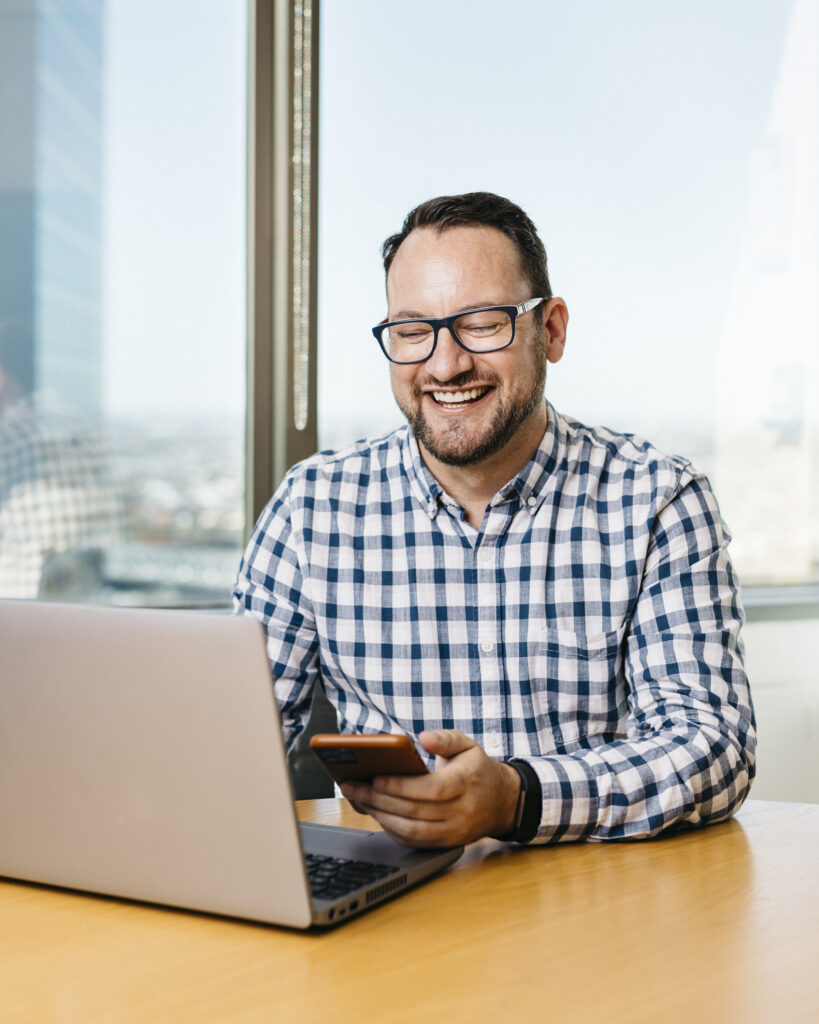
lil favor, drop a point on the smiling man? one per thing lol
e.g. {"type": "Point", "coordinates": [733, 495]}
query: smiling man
{"type": "Point", "coordinates": [548, 609]}
{"type": "Point", "coordinates": [473, 399]}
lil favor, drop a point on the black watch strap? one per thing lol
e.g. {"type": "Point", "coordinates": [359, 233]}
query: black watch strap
{"type": "Point", "coordinates": [530, 805]}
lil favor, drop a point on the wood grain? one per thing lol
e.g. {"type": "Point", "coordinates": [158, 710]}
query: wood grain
{"type": "Point", "coordinates": [722, 923]}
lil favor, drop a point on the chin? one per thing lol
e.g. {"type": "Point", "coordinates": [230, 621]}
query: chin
{"type": "Point", "coordinates": [456, 451]}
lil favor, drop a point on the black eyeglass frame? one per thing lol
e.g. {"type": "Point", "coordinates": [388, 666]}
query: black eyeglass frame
{"type": "Point", "coordinates": [436, 323]}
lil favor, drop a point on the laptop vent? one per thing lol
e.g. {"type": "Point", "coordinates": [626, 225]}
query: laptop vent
{"type": "Point", "coordinates": [388, 887]}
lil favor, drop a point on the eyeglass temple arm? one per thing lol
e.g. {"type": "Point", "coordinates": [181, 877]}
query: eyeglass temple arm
{"type": "Point", "coordinates": [524, 307]}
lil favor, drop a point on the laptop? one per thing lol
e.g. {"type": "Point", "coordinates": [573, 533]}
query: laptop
{"type": "Point", "coordinates": [141, 756]}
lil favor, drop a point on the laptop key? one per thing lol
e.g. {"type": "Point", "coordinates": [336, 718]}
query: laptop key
{"type": "Point", "coordinates": [334, 877]}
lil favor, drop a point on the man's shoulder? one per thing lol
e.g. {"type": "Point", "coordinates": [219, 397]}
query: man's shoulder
{"type": "Point", "coordinates": [358, 462]}
{"type": "Point", "coordinates": [593, 449]}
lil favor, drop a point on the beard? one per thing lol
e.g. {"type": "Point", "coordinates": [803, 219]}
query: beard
{"type": "Point", "coordinates": [453, 446]}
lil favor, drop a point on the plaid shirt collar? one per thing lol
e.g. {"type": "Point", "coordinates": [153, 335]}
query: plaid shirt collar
{"type": "Point", "coordinates": [534, 481]}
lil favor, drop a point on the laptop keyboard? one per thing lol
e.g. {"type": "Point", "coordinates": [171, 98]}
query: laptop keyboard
{"type": "Point", "coordinates": [334, 877]}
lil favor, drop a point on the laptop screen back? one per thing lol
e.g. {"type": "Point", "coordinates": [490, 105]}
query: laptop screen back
{"type": "Point", "coordinates": [141, 755]}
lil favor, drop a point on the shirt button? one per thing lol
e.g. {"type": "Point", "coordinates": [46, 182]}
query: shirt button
{"type": "Point", "coordinates": [493, 742]}
{"type": "Point", "coordinates": [487, 646]}
{"type": "Point", "coordinates": [485, 554]}
{"type": "Point", "coordinates": [531, 502]}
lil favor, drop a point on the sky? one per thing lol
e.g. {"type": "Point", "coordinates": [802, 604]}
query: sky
{"type": "Point", "coordinates": [625, 130]}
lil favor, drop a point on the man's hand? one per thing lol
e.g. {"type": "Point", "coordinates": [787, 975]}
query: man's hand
{"type": "Point", "coordinates": [467, 796]}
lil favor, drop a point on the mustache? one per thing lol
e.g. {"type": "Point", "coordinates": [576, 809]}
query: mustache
{"type": "Point", "coordinates": [463, 380]}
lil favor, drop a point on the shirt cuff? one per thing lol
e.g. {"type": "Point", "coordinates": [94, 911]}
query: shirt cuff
{"type": "Point", "coordinates": [570, 798]}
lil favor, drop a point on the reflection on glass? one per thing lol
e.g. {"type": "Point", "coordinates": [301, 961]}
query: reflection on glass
{"type": "Point", "coordinates": [121, 451]}
{"type": "Point", "coordinates": [59, 508]}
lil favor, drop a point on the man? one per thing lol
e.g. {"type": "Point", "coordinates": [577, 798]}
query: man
{"type": "Point", "coordinates": [548, 609]}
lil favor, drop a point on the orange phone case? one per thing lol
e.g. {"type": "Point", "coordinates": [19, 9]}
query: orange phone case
{"type": "Point", "coordinates": [361, 758]}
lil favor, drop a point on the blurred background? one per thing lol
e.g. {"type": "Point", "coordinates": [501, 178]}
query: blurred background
{"type": "Point", "coordinates": [667, 153]}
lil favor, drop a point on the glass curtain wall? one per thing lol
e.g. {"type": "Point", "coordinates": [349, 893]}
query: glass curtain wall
{"type": "Point", "coordinates": [122, 299]}
{"type": "Point", "coordinates": [668, 155]}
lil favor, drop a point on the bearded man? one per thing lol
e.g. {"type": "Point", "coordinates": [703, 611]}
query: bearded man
{"type": "Point", "coordinates": [548, 609]}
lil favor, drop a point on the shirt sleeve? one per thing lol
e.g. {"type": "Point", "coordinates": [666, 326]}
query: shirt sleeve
{"type": "Point", "coordinates": [689, 752]}
{"type": "Point", "coordinates": [271, 587]}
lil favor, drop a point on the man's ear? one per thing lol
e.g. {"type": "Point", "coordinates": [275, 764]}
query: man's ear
{"type": "Point", "coordinates": [556, 324]}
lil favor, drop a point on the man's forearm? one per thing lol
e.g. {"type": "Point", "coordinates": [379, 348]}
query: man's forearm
{"type": "Point", "coordinates": [640, 788]}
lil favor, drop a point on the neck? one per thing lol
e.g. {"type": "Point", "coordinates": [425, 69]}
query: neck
{"type": "Point", "coordinates": [473, 487]}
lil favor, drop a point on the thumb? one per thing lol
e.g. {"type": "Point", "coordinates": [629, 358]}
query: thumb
{"type": "Point", "coordinates": [445, 743]}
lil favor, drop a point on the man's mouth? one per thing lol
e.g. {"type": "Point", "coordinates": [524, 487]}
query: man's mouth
{"type": "Point", "coordinates": [458, 399]}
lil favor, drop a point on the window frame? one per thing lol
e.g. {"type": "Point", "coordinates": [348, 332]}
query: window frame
{"type": "Point", "coordinates": [282, 221]}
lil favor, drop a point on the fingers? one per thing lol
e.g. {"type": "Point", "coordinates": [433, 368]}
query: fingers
{"type": "Point", "coordinates": [417, 832]}
{"type": "Point", "coordinates": [445, 743]}
{"type": "Point", "coordinates": [409, 822]}
{"type": "Point", "coordinates": [371, 801]}
{"type": "Point", "coordinates": [466, 797]}
{"type": "Point", "coordinates": [436, 787]}
{"type": "Point", "coordinates": [407, 806]}
{"type": "Point", "coordinates": [409, 795]}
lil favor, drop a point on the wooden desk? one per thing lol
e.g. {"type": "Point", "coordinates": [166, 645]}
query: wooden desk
{"type": "Point", "coordinates": [720, 925]}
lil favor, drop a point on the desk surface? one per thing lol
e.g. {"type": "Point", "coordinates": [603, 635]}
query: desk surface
{"type": "Point", "coordinates": [721, 924]}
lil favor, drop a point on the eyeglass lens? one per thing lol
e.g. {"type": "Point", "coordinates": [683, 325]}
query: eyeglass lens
{"type": "Point", "coordinates": [480, 331]}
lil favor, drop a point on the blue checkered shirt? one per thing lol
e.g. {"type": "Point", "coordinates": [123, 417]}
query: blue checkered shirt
{"type": "Point", "coordinates": [589, 627]}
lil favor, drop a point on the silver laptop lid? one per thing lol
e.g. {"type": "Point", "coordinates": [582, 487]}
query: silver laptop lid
{"type": "Point", "coordinates": [141, 755]}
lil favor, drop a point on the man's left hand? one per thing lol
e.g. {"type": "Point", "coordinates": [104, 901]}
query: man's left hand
{"type": "Point", "coordinates": [467, 796]}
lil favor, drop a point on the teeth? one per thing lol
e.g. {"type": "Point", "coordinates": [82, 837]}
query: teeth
{"type": "Point", "coordinates": [457, 397]}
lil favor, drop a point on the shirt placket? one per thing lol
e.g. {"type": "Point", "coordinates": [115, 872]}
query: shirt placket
{"type": "Point", "coordinates": [490, 641]}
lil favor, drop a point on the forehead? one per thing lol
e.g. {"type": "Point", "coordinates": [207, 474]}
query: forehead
{"type": "Point", "coordinates": [460, 265]}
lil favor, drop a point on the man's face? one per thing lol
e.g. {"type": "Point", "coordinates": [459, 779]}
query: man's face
{"type": "Point", "coordinates": [465, 407]}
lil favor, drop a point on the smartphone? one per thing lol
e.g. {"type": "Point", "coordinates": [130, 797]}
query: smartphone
{"type": "Point", "coordinates": [361, 758]}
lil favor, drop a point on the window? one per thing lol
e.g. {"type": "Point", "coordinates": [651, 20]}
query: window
{"type": "Point", "coordinates": [122, 299]}
{"type": "Point", "coordinates": [668, 155]}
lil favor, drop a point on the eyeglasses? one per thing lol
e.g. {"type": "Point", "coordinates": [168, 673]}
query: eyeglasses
{"type": "Point", "coordinates": [487, 329]}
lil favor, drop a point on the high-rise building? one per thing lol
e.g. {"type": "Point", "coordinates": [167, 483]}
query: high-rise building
{"type": "Point", "coordinates": [51, 162]}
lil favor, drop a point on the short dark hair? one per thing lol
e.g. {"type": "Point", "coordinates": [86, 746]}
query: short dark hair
{"type": "Point", "coordinates": [476, 209]}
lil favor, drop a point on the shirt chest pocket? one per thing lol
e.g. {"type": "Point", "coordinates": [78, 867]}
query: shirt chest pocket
{"type": "Point", "coordinates": [577, 685]}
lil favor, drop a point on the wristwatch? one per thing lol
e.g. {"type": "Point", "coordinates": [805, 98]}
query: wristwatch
{"type": "Point", "coordinates": [530, 805]}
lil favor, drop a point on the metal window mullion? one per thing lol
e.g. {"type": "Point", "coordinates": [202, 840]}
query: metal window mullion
{"type": "Point", "coordinates": [282, 194]}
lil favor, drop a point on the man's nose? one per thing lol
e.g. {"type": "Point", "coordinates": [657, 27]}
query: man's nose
{"type": "Point", "coordinates": [449, 359]}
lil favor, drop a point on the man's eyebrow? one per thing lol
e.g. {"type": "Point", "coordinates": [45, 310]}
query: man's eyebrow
{"type": "Point", "coordinates": [412, 314]}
